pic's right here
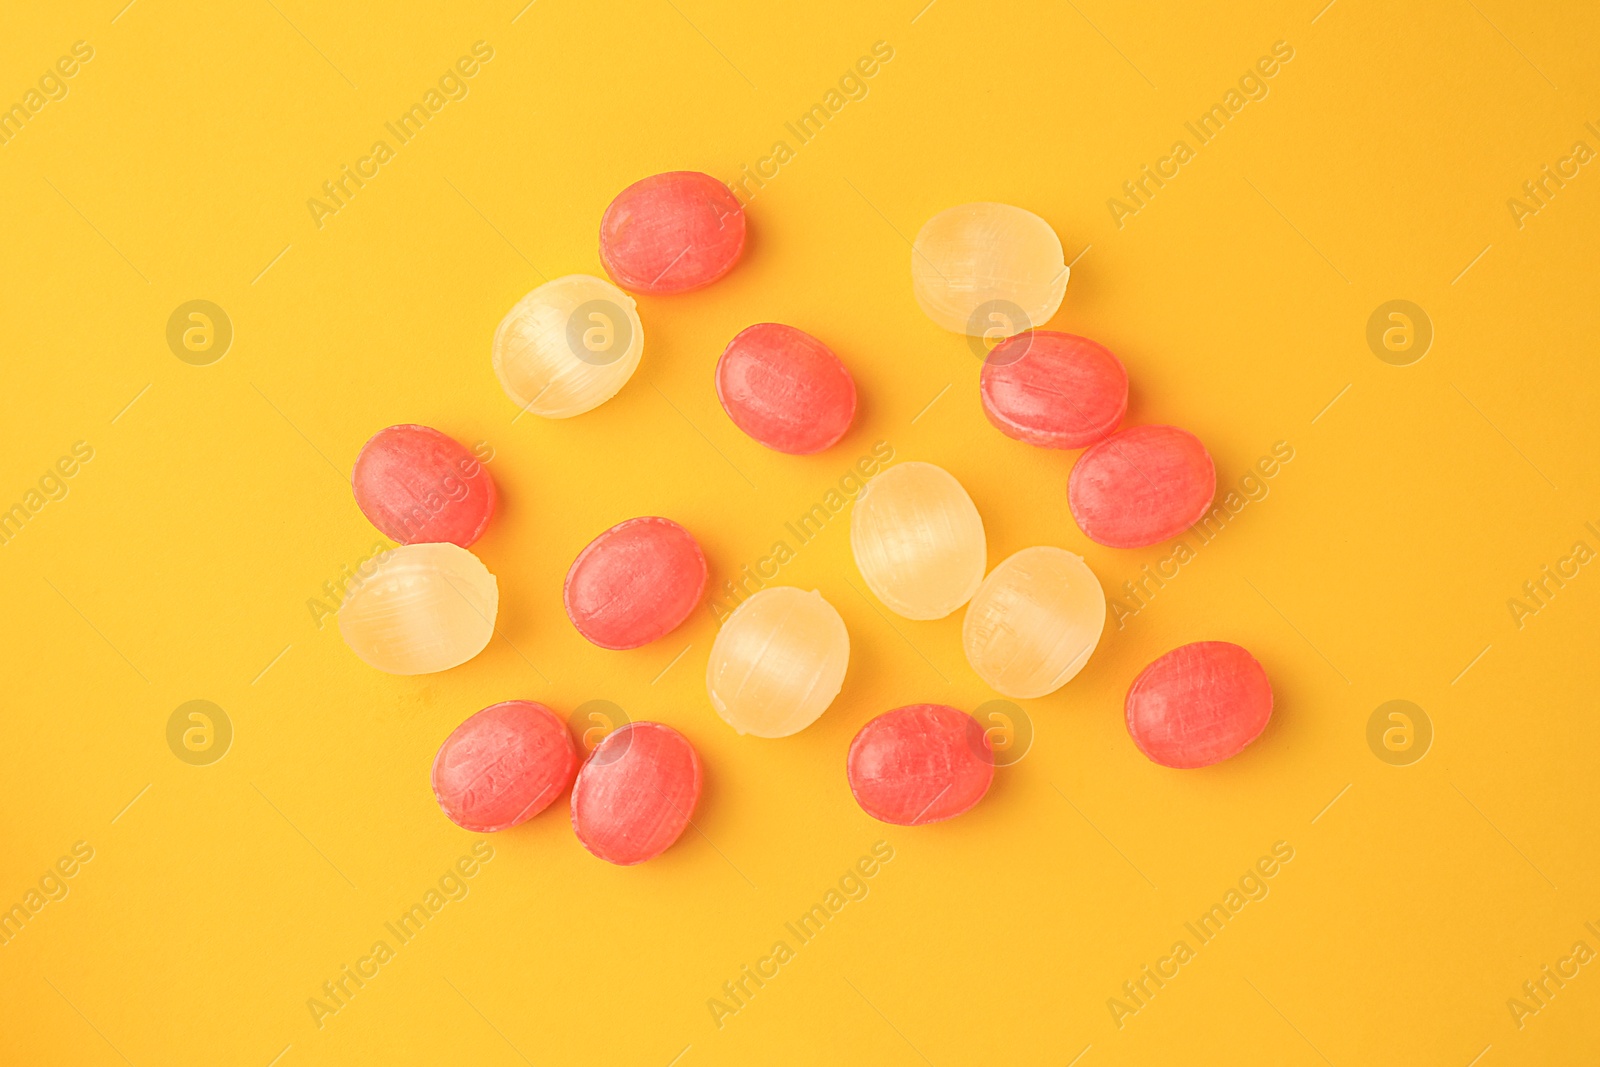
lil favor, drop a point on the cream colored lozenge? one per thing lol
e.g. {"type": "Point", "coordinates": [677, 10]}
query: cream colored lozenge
{"type": "Point", "coordinates": [778, 662]}
{"type": "Point", "coordinates": [918, 540]}
{"type": "Point", "coordinates": [988, 270]}
{"type": "Point", "coordinates": [1034, 621]}
{"type": "Point", "coordinates": [568, 346]}
{"type": "Point", "coordinates": [427, 608]}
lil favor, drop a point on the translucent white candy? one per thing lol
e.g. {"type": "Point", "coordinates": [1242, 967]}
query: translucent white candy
{"type": "Point", "coordinates": [918, 540]}
{"type": "Point", "coordinates": [568, 346]}
{"type": "Point", "coordinates": [427, 608]}
{"type": "Point", "coordinates": [778, 662]}
{"type": "Point", "coordinates": [988, 270]}
{"type": "Point", "coordinates": [1033, 623]}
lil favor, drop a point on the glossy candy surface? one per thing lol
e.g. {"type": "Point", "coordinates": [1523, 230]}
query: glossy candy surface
{"type": "Point", "coordinates": [778, 662]}
{"type": "Point", "coordinates": [568, 346]}
{"type": "Point", "coordinates": [1034, 622]}
{"type": "Point", "coordinates": [1199, 704]}
{"type": "Point", "coordinates": [1054, 390]}
{"type": "Point", "coordinates": [670, 233]}
{"type": "Point", "coordinates": [426, 608]}
{"type": "Point", "coordinates": [920, 764]}
{"type": "Point", "coordinates": [1140, 486]}
{"type": "Point", "coordinates": [786, 389]}
{"type": "Point", "coordinates": [918, 540]}
{"type": "Point", "coordinates": [634, 583]}
{"type": "Point", "coordinates": [416, 484]}
{"type": "Point", "coordinates": [503, 766]}
{"type": "Point", "coordinates": [636, 793]}
{"type": "Point", "coordinates": [988, 270]}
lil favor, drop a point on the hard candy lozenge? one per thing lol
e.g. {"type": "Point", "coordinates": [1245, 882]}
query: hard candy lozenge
{"type": "Point", "coordinates": [636, 793]}
{"type": "Point", "coordinates": [778, 662]}
{"type": "Point", "coordinates": [503, 766]}
{"type": "Point", "coordinates": [1143, 485]}
{"type": "Point", "coordinates": [918, 540]}
{"type": "Point", "coordinates": [428, 607]}
{"type": "Point", "coordinates": [1034, 622]}
{"type": "Point", "coordinates": [1198, 704]}
{"type": "Point", "coordinates": [988, 270]}
{"type": "Point", "coordinates": [786, 389]}
{"type": "Point", "coordinates": [670, 233]}
{"type": "Point", "coordinates": [416, 484]}
{"type": "Point", "coordinates": [1054, 390]}
{"type": "Point", "coordinates": [634, 583]}
{"type": "Point", "coordinates": [568, 346]}
{"type": "Point", "coordinates": [920, 764]}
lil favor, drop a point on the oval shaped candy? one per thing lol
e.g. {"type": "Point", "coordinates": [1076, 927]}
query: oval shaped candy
{"type": "Point", "coordinates": [988, 270]}
{"type": "Point", "coordinates": [919, 764]}
{"type": "Point", "coordinates": [636, 793]}
{"type": "Point", "coordinates": [1034, 622]}
{"type": "Point", "coordinates": [1142, 485]}
{"type": "Point", "coordinates": [1054, 390]}
{"type": "Point", "coordinates": [634, 583]}
{"type": "Point", "coordinates": [918, 540]}
{"type": "Point", "coordinates": [503, 766]}
{"type": "Point", "coordinates": [426, 608]}
{"type": "Point", "coordinates": [786, 389]}
{"type": "Point", "coordinates": [670, 233]}
{"type": "Point", "coordinates": [1199, 704]}
{"type": "Point", "coordinates": [416, 484]}
{"type": "Point", "coordinates": [568, 346]}
{"type": "Point", "coordinates": [778, 662]}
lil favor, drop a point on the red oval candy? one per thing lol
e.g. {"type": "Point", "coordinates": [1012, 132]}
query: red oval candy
{"type": "Point", "coordinates": [1054, 390]}
{"type": "Point", "coordinates": [634, 583]}
{"type": "Point", "coordinates": [920, 764]}
{"type": "Point", "coordinates": [1142, 485]}
{"type": "Point", "coordinates": [503, 766]}
{"type": "Point", "coordinates": [672, 232]}
{"type": "Point", "coordinates": [786, 389]}
{"type": "Point", "coordinates": [1199, 704]}
{"type": "Point", "coordinates": [418, 486]}
{"type": "Point", "coordinates": [636, 793]}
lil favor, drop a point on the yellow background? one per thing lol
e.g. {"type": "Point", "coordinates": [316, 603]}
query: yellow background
{"type": "Point", "coordinates": [1378, 568]}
